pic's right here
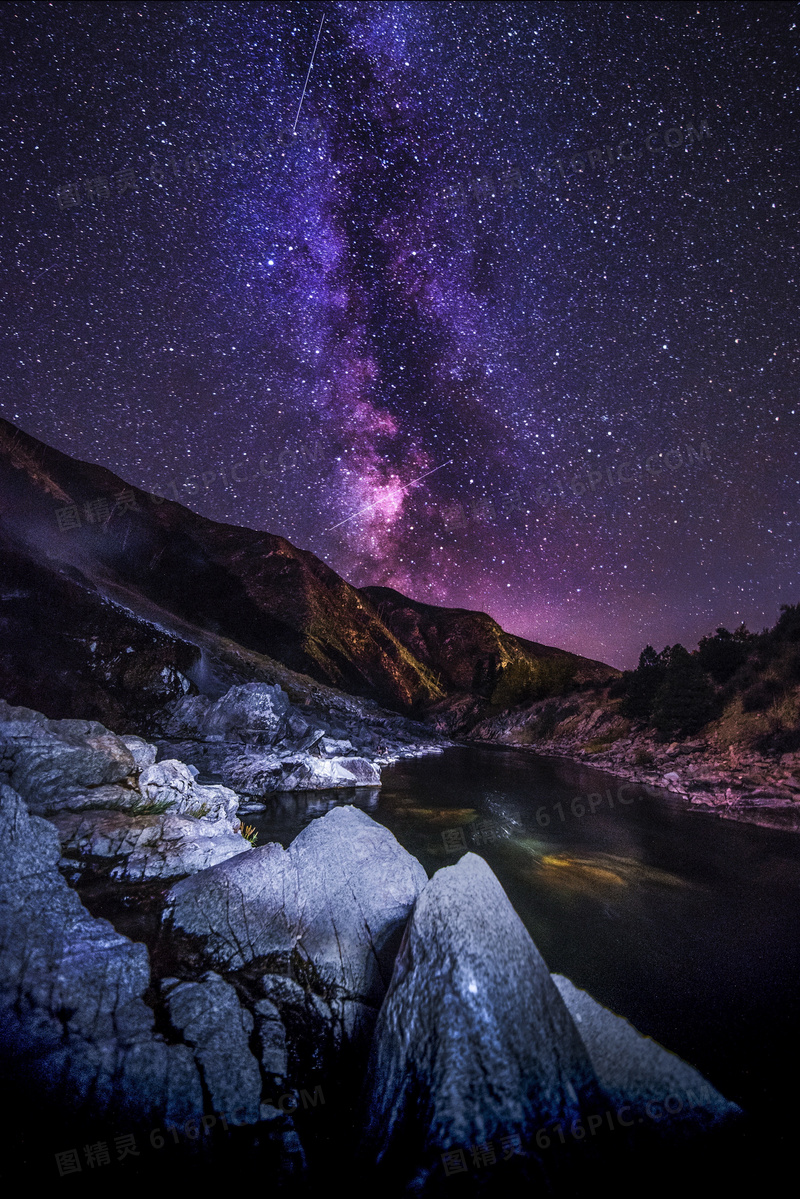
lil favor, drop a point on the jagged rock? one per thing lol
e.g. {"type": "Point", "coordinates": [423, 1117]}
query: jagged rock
{"type": "Point", "coordinates": [172, 783]}
{"type": "Point", "coordinates": [636, 1071]}
{"type": "Point", "coordinates": [111, 797]}
{"type": "Point", "coordinates": [143, 753]}
{"type": "Point", "coordinates": [313, 774]}
{"type": "Point", "coordinates": [297, 727]}
{"type": "Point", "coordinates": [253, 711]}
{"type": "Point", "coordinates": [337, 899]}
{"type": "Point", "coordinates": [187, 716]}
{"type": "Point", "coordinates": [261, 772]}
{"type": "Point", "coordinates": [44, 759]}
{"type": "Point", "coordinates": [74, 1023]}
{"type": "Point", "coordinates": [473, 1039]}
{"type": "Point", "coordinates": [151, 846]}
{"type": "Point", "coordinates": [210, 1018]}
{"type": "Point", "coordinates": [333, 747]}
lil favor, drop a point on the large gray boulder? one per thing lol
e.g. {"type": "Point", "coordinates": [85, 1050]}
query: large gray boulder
{"type": "Point", "coordinates": [172, 785]}
{"type": "Point", "coordinates": [634, 1071]}
{"type": "Point", "coordinates": [335, 902]}
{"type": "Point", "coordinates": [75, 1026]}
{"type": "Point", "coordinates": [160, 822]}
{"type": "Point", "coordinates": [168, 786]}
{"type": "Point", "coordinates": [44, 759]}
{"type": "Point", "coordinates": [473, 1040]}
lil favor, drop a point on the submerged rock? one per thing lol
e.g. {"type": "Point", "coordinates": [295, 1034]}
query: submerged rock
{"type": "Point", "coordinates": [335, 901]}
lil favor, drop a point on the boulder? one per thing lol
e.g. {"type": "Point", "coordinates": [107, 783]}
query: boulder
{"type": "Point", "coordinates": [260, 774]}
{"type": "Point", "coordinates": [45, 759]}
{"type": "Point", "coordinates": [173, 785]}
{"type": "Point", "coordinates": [253, 712]}
{"type": "Point", "coordinates": [150, 846]}
{"type": "Point", "coordinates": [476, 1043]}
{"type": "Point", "coordinates": [636, 1071]}
{"type": "Point", "coordinates": [335, 902]}
{"type": "Point", "coordinates": [473, 1041]}
{"type": "Point", "coordinates": [75, 1026]}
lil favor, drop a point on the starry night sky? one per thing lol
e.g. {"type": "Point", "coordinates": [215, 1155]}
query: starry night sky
{"type": "Point", "coordinates": [399, 288]}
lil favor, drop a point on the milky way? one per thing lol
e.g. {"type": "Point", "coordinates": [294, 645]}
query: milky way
{"type": "Point", "coordinates": [544, 255]}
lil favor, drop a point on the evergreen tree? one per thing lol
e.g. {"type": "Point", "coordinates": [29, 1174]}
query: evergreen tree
{"type": "Point", "coordinates": [685, 699]}
{"type": "Point", "coordinates": [723, 654]}
{"type": "Point", "coordinates": [642, 684]}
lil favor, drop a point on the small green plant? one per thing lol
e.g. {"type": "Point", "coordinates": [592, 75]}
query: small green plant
{"type": "Point", "coordinates": [248, 832]}
{"type": "Point", "coordinates": [145, 808]}
{"type": "Point", "coordinates": [200, 812]}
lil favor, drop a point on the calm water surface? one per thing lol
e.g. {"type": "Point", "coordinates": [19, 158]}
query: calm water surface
{"type": "Point", "coordinates": [684, 923]}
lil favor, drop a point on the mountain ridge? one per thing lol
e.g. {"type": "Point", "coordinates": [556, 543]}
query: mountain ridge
{"type": "Point", "coordinates": [249, 588]}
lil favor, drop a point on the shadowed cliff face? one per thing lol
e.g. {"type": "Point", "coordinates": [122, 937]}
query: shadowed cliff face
{"type": "Point", "coordinates": [67, 652]}
{"type": "Point", "coordinates": [168, 566]}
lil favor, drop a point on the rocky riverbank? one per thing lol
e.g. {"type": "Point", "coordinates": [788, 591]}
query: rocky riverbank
{"type": "Point", "coordinates": [713, 773]}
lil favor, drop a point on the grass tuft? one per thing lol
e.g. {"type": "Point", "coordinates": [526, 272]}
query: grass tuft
{"type": "Point", "coordinates": [248, 832]}
{"type": "Point", "coordinates": [145, 808]}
